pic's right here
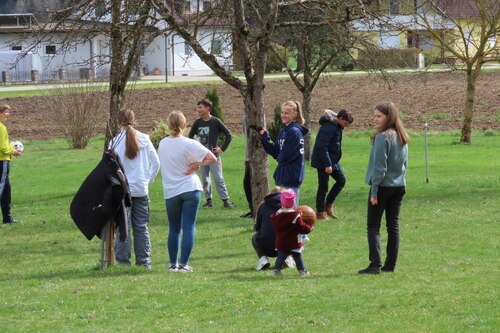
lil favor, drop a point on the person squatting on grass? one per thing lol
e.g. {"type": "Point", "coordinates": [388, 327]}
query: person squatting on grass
{"type": "Point", "coordinates": [264, 239]}
{"type": "Point", "coordinates": [180, 159]}
{"type": "Point", "coordinates": [6, 152]}
{"type": "Point", "coordinates": [140, 164]}
{"type": "Point", "coordinates": [288, 149]}
{"type": "Point", "coordinates": [386, 176]}
{"type": "Point", "coordinates": [207, 129]}
{"type": "Point", "coordinates": [326, 155]}
{"type": "Point", "coordinates": [289, 227]}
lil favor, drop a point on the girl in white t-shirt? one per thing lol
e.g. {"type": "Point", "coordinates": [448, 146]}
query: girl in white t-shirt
{"type": "Point", "coordinates": [180, 159]}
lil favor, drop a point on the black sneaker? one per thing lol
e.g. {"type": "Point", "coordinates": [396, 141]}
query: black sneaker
{"type": "Point", "coordinates": [248, 215]}
{"type": "Point", "coordinates": [11, 220]}
{"type": "Point", "coordinates": [228, 205]}
{"type": "Point", "coordinates": [370, 270]}
{"type": "Point", "coordinates": [387, 269]}
{"type": "Point", "coordinates": [209, 204]}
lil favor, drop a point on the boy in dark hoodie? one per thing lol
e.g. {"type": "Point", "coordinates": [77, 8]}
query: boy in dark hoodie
{"type": "Point", "coordinates": [325, 158]}
{"type": "Point", "coordinates": [289, 226]}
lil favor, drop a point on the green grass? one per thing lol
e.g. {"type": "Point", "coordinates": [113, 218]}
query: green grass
{"type": "Point", "coordinates": [447, 279]}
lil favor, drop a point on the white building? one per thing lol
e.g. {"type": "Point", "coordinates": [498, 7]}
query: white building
{"type": "Point", "coordinates": [22, 51]}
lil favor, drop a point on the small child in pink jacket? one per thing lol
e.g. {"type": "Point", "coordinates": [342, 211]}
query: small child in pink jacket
{"type": "Point", "coordinates": [289, 226]}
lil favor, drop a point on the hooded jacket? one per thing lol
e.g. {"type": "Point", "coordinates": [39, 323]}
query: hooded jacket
{"type": "Point", "coordinates": [263, 224]}
{"type": "Point", "coordinates": [327, 149]}
{"type": "Point", "coordinates": [288, 229]}
{"type": "Point", "coordinates": [288, 150]}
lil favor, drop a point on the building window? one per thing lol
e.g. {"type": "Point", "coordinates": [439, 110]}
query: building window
{"type": "Point", "coordinates": [50, 49]}
{"type": "Point", "coordinates": [187, 6]}
{"type": "Point", "coordinates": [394, 6]}
{"type": "Point", "coordinates": [388, 40]}
{"type": "Point", "coordinates": [16, 48]}
{"type": "Point", "coordinates": [100, 8]}
{"type": "Point", "coordinates": [216, 48]}
{"type": "Point", "coordinates": [187, 49]}
{"type": "Point", "coordinates": [207, 5]}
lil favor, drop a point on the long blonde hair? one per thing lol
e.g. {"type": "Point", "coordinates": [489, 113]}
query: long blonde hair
{"type": "Point", "coordinates": [297, 108]}
{"type": "Point", "coordinates": [126, 119]}
{"type": "Point", "coordinates": [393, 122]}
{"type": "Point", "coordinates": [176, 121]}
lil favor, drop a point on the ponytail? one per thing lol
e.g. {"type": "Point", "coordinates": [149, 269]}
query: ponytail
{"type": "Point", "coordinates": [126, 119]}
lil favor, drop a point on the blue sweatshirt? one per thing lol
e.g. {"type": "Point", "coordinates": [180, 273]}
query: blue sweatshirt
{"type": "Point", "coordinates": [388, 160]}
{"type": "Point", "coordinates": [288, 150]}
{"type": "Point", "coordinates": [327, 149]}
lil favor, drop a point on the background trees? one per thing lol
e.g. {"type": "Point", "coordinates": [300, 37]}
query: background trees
{"type": "Point", "coordinates": [469, 31]}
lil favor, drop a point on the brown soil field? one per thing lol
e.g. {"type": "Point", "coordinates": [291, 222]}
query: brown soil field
{"type": "Point", "coordinates": [436, 98]}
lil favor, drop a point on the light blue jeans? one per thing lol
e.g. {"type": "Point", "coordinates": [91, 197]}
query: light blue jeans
{"type": "Point", "coordinates": [181, 212]}
{"type": "Point", "coordinates": [216, 170]}
{"type": "Point", "coordinates": [138, 218]}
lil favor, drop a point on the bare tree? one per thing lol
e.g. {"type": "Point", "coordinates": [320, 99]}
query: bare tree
{"type": "Point", "coordinates": [321, 33]}
{"type": "Point", "coordinates": [467, 30]}
{"type": "Point", "coordinates": [252, 44]}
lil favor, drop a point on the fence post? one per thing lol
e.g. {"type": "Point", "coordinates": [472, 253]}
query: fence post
{"type": "Point", "coordinates": [61, 73]}
{"type": "Point", "coordinates": [5, 76]}
{"type": "Point", "coordinates": [35, 75]}
{"type": "Point", "coordinates": [426, 154]}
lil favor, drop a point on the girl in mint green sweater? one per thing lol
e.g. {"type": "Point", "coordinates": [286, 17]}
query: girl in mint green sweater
{"type": "Point", "coordinates": [386, 176]}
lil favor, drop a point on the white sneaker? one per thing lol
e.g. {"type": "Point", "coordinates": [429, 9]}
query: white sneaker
{"type": "Point", "coordinates": [263, 264]}
{"type": "Point", "coordinates": [173, 268]}
{"type": "Point", "coordinates": [185, 269]}
{"type": "Point", "coordinates": [289, 262]}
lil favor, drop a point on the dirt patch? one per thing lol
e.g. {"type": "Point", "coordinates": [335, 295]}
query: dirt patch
{"type": "Point", "coordinates": [434, 98]}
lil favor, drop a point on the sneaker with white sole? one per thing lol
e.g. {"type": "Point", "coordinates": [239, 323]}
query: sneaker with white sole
{"type": "Point", "coordinates": [173, 268]}
{"type": "Point", "coordinates": [289, 262]}
{"type": "Point", "coordinates": [304, 273]}
{"type": "Point", "coordinates": [185, 269]}
{"type": "Point", "coordinates": [263, 264]}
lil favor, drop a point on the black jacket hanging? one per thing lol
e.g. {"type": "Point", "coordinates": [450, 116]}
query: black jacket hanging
{"type": "Point", "coordinates": [103, 195]}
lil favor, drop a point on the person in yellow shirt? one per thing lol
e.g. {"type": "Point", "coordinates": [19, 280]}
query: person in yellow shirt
{"type": "Point", "coordinates": [6, 152]}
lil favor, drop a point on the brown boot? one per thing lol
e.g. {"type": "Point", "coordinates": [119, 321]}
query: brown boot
{"type": "Point", "coordinates": [321, 216]}
{"type": "Point", "coordinates": [330, 212]}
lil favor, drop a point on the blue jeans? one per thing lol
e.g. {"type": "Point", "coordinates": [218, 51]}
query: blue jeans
{"type": "Point", "coordinates": [138, 218]}
{"type": "Point", "coordinates": [181, 212]}
{"type": "Point", "coordinates": [283, 254]}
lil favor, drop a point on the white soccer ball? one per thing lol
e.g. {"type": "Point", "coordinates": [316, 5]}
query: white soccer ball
{"type": "Point", "coordinates": [18, 145]}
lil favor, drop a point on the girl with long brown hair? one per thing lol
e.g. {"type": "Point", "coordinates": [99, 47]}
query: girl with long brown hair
{"type": "Point", "coordinates": [386, 175]}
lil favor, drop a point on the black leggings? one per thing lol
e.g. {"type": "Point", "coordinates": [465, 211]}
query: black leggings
{"type": "Point", "coordinates": [389, 201]}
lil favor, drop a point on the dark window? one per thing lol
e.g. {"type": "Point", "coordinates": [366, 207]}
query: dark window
{"type": "Point", "coordinates": [187, 6]}
{"type": "Point", "coordinates": [216, 47]}
{"type": "Point", "coordinates": [100, 8]}
{"type": "Point", "coordinates": [394, 6]}
{"type": "Point", "coordinates": [207, 5]}
{"type": "Point", "coordinates": [16, 48]}
{"type": "Point", "coordinates": [50, 49]}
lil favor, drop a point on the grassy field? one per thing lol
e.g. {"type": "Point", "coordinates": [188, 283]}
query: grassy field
{"type": "Point", "coordinates": [447, 279]}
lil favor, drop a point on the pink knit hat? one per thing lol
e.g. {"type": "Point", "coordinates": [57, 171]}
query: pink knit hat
{"type": "Point", "coordinates": [288, 199]}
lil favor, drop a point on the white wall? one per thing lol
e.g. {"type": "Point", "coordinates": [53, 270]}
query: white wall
{"type": "Point", "coordinates": [179, 60]}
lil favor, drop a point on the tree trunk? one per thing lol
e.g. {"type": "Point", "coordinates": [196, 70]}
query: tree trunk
{"type": "Point", "coordinates": [253, 100]}
{"type": "Point", "coordinates": [300, 56]}
{"type": "Point", "coordinates": [306, 108]}
{"type": "Point", "coordinates": [466, 136]}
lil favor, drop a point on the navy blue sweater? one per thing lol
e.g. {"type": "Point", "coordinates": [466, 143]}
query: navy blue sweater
{"type": "Point", "coordinates": [288, 150]}
{"type": "Point", "coordinates": [327, 149]}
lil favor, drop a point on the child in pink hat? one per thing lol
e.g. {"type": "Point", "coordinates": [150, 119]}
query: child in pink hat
{"type": "Point", "coordinates": [289, 226]}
